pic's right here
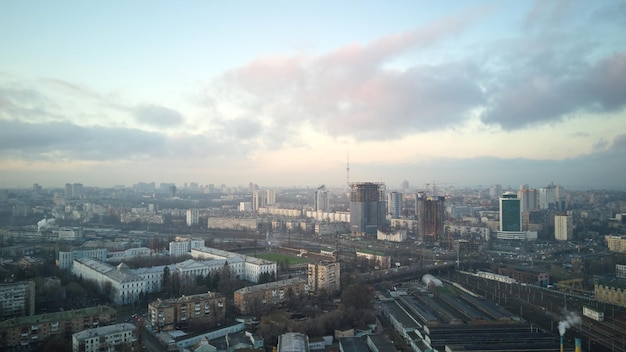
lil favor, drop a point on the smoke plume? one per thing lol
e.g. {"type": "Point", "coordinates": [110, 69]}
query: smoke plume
{"type": "Point", "coordinates": [569, 319]}
{"type": "Point", "coordinates": [427, 279]}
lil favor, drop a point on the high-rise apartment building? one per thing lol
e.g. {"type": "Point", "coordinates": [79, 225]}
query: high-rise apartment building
{"type": "Point", "coordinates": [528, 198]}
{"type": "Point", "coordinates": [430, 211]}
{"type": "Point", "coordinates": [510, 213]}
{"type": "Point", "coordinates": [270, 197]}
{"type": "Point", "coordinates": [73, 191]}
{"type": "Point", "coordinates": [563, 227]}
{"type": "Point", "coordinates": [367, 208]}
{"type": "Point", "coordinates": [495, 191]}
{"type": "Point", "coordinates": [259, 200]}
{"type": "Point", "coordinates": [547, 198]}
{"type": "Point", "coordinates": [324, 276]}
{"type": "Point", "coordinates": [394, 203]}
{"type": "Point", "coordinates": [193, 217]}
{"type": "Point", "coordinates": [322, 202]}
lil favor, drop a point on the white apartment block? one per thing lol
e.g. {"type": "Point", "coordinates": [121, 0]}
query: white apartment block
{"type": "Point", "coordinates": [67, 258]}
{"type": "Point", "coordinates": [193, 217]}
{"type": "Point", "coordinates": [563, 227]}
{"type": "Point", "coordinates": [340, 216]}
{"type": "Point", "coordinates": [106, 338]}
{"type": "Point", "coordinates": [17, 299]}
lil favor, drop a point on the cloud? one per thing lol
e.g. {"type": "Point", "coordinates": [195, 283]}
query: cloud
{"type": "Point", "coordinates": [351, 92]}
{"type": "Point", "coordinates": [50, 140]}
{"type": "Point", "coordinates": [547, 13]}
{"type": "Point", "coordinates": [545, 96]}
{"type": "Point", "coordinates": [159, 116]}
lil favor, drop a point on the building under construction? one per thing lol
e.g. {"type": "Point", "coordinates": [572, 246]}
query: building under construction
{"type": "Point", "coordinates": [430, 213]}
{"type": "Point", "coordinates": [367, 208]}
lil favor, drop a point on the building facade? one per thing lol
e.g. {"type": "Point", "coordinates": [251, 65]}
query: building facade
{"type": "Point", "coordinates": [250, 298]}
{"type": "Point", "coordinates": [563, 227]}
{"type": "Point", "coordinates": [394, 204]}
{"type": "Point", "coordinates": [31, 331]}
{"type": "Point", "coordinates": [193, 217]}
{"type": "Point", "coordinates": [66, 259]}
{"type": "Point", "coordinates": [430, 212]}
{"type": "Point", "coordinates": [367, 208]}
{"type": "Point", "coordinates": [206, 308]}
{"type": "Point", "coordinates": [105, 338]}
{"type": "Point", "coordinates": [510, 213]}
{"type": "Point", "coordinates": [322, 202]}
{"type": "Point", "coordinates": [324, 276]}
{"type": "Point", "coordinates": [616, 243]}
{"type": "Point", "coordinates": [17, 299]}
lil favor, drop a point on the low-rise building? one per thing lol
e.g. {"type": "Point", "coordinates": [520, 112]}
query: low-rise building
{"type": "Point", "coordinates": [249, 298]}
{"type": "Point", "coordinates": [105, 338]}
{"type": "Point", "coordinates": [31, 330]}
{"type": "Point", "coordinates": [206, 308]}
{"type": "Point", "coordinates": [66, 258]}
{"type": "Point", "coordinates": [611, 292]}
{"type": "Point", "coordinates": [377, 260]}
{"type": "Point", "coordinates": [17, 299]}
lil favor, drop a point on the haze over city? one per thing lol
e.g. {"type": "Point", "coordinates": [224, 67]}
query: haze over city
{"type": "Point", "coordinates": [279, 92]}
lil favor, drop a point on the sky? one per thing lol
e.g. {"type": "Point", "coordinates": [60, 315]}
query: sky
{"type": "Point", "coordinates": [285, 93]}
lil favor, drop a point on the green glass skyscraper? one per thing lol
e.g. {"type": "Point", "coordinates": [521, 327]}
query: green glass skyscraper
{"type": "Point", "coordinates": [510, 213]}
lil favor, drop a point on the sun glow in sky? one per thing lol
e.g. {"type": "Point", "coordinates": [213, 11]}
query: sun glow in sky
{"type": "Point", "coordinates": [278, 92]}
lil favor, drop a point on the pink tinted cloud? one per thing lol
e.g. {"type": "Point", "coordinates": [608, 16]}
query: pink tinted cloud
{"type": "Point", "coordinates": [349, 92]}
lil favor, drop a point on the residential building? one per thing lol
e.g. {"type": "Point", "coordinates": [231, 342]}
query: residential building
{"type": "Point", "coordinates": [27, 332]}
{"type": "Point", "coordinates": [563, 227]}
{"type": "Point", "coordinates": [616, 243]}
{"type": "Point", "coordinates": [17, 299]}
{"type": "Point", "coordinates": [250, 298]}
{"type": "Point", "coordinates": [547, 198]}
{"type": "Point", "coordinates": [270, 197]}
{"type": "Point", "coordinates": [367, 208]}
{"type": "Point", "coordinates": [375, 259]}
{"type": "Point", "coordinates": [259, 200]}
{"type": "Point", "coordinates": [394, 204]}
{"type": "Point", "coordinates": [205, 308]}
{"type": "Point", "coordinates": [610, 292]}
{"type": "Point", "coordinates": [193, 217]}
{"type": "Point", "coordinates": [324, 276]}
{"type": "Point", "coordinates": [105, 338]}
{"type": "Point", "coordinates": [322, 202]}
{"type": "Point", "coordinates": [430, 211]}
{"type": "Point", "coordinates": [528, 198]}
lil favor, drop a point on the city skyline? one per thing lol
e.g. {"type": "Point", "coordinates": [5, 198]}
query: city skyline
{"type": "Point", "coordinates": [278, 93]}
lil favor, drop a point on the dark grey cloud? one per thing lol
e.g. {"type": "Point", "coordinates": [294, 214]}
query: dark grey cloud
{"type": "Point", "coordinates": [65, 140]}
{"type": "Point", "coordinates": [156, 115]}
{"type": "Point", "coordinates": [546, 95]}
